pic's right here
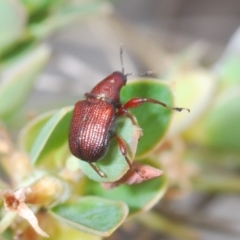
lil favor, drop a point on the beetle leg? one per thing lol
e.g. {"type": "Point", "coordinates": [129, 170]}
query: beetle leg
{"type": "Point", "coordinates": [101, 174]}
{"type": "Point", "coordinates": [135, 102]}
{"type": "Point", "coordinates": [123, 111]}
{"type": "Point", "coordinates": [123, 148]}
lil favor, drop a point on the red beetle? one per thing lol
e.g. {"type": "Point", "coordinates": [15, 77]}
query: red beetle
{"type": "Point", "coordinates": [94, 119]}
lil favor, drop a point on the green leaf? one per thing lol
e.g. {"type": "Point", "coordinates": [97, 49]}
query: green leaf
{"type": "Point", "coordinates": [58, 231]}
{"type": "Point", "coordinates": [18, 80]}
{"type": "Point", "coordinates": [92, 215]}
{"type": "Point", "coordinates": [138, 197]}
{"type": "Point", "coordinates": [40, 5]}
{"type": "Point", "coordinates": [229, 71]}
{"type": "Point", "coordinates": [63, 232]}
{"type": "Point", "coordinates": [8, 234]}
{"type": "Point", "coordinates": [52, 136]}
{"type": "Point", "coordinates": [221, 125]}
{"type": "Point", "coordinates": [12, 21]}
{"type": "Point", "coordinates": [30, 132]}
{"type": "Point", "coordinates": [113, 164]}
{"type": "Point", "coordinates": [65, 15]}
{"type": "Point", "coordinates": [189, 89]}
{"type": "Point", "coordinates": [7, 220]}
{"type": "Point", "coordinates": [152, 118]}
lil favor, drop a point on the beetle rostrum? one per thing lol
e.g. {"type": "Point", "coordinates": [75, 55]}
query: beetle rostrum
{"type": "Point", "coordinates": [94, 119]}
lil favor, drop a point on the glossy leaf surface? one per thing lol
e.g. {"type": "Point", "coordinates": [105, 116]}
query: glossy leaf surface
{"type": "Point", "coordinates": [139, 197]}
{"type": "Point", "coordinates": [152, 118]}
{"type": "Point", "coordinates": [30, 132]}
{"type": "Point", "coordinates": [17, 80]}
{"type": "Point", "coordinates": [92, 215]}
{"type": "Point", "coordinates": [52, 136]}
{"type": "Point", "coordinates": [221, 126]}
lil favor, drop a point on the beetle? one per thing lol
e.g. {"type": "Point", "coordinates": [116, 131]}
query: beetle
{"type": "Point", "coordinates": [93, 121]}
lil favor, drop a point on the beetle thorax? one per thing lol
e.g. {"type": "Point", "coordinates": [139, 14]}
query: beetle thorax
{"type": "Point", "coordinates": [109, 88]}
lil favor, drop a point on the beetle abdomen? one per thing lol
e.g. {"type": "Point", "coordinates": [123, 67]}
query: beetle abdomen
{"type": "Point", "coordinates": [92, 124]}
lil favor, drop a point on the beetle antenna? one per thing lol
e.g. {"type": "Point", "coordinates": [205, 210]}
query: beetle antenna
{"type": "Point", "coordinates": [148, 73]}
{"type": "Point", "coordinates": [121, 58]}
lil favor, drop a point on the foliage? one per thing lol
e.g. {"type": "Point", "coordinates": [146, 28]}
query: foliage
{"type": "Point", "coordinates": [67, 190]}
{"type": "Point", "coordinates": [48, 177]}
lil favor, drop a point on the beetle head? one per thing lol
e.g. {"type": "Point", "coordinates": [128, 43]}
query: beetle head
{"type": "Point", "coordinates": [109, 88]}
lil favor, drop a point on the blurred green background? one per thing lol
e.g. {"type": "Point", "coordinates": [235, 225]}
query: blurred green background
{"type": "Point", "coordinates": [52, 52]}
